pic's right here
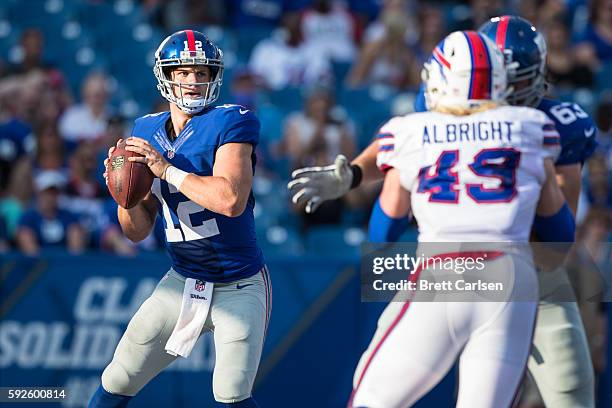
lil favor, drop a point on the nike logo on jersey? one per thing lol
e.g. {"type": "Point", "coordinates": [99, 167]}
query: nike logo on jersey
{"type": "Point", "coordinates": [590, 132]}
{"type": "Point", "coordinates": [243, 111]}
{"type": "Point", "coordinates": [239, 286]}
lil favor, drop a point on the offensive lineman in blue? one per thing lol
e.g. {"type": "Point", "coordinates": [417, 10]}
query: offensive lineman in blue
{"type": "Point", "coordinates": [560, 363]}
{"type": "Point", "coordinates": [203, 159]}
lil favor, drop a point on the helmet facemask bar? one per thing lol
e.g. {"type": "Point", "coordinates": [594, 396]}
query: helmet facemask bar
{"type": "Point", "coordinates": [532, 94]}
{"type": "Point", "coordinates": [189, 105]}
{"type": "Point", "coordinates": [432, 92]}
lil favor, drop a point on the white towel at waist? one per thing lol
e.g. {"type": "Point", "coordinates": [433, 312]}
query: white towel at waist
{"type": "Point", "coordinates": [197, 297]}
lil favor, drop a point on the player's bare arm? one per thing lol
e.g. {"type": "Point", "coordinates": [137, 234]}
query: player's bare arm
{"type": "Point", "coordinates": [551, 197]}
{"type": "Point", "coordinates": [394, 199]}
{"type": "Point", "coordinates": [366, 161]}
{"type": "Point", "coordinates": [570, 181]}
{"type": "Point", "coordinates": [225, 192]}
{"type": "Point", "coordinates": [138, 221]}
{"type": "Point", "coordinates": [553, 222]}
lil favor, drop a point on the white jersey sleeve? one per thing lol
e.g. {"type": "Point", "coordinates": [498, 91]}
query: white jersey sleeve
{"type": "Point", "coordinates": [389, 144]}
{"type": "Point", "coordinates": [551, 140]}
{"type": "Point", "coordinates": [400, 147]}
{"type": "Point", "coordinates": [542, 133]}
{"type": "Point", "coordinates": [396, 145]}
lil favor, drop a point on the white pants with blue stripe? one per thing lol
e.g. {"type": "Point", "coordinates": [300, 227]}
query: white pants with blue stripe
{"type": "Point", "coordinates": [238, 318]}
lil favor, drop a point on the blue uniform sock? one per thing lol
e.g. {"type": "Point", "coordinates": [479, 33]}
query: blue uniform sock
{"type": "Point", "coordinates": [104, 399]}
{"type": "Point", "coordinates": [247, 403]}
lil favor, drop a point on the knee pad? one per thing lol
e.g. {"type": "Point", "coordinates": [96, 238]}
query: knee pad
{"type": "Point", "coordinates": [116, 380]}
{"type": "Point", "coordinates": [232, 387]}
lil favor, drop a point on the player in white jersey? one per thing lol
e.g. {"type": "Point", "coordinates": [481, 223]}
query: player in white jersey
{"type": "Point", "coordinates": [495, 154]}
{"type": "Point", "coordinates": [559, 363]}
{"type": "Point", "coordinates": [471, 170]}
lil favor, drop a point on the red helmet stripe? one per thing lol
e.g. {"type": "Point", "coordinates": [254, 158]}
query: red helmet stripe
{"type": "Point", "coordinates": [480, 87]}
{"type": "Point", "coordinates": [502, 29]}
{"type": "Point", "coordinates": [190, 40]}
{"type": "Point", "coordinates": [440, 57]}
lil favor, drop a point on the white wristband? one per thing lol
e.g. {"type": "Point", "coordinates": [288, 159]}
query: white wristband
{"type": "Point", "coordinates": [175, 176]}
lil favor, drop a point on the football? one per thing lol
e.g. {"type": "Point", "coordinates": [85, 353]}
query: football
{"type": "Point", "coordinates": [128, 182]}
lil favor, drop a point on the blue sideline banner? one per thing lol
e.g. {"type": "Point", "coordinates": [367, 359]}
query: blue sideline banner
{"type": "Point", "coordinates": [62, 316]}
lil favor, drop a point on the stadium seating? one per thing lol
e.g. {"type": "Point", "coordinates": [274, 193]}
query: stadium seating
{"type": "Point", "coordinates": [368, 108]}
{"type": "Point", "coordinates": [114, 35]}
{"type": "Point", "coordinates": [604, 76]}
{"type": "Point", "coordinates": [280, 241]}
{"type": "Point", "coordinates": [334, 241]}
{"type": "Point", "coordinates": [288, 99]}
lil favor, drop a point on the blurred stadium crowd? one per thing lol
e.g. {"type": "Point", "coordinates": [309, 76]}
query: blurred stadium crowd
{"type": "Point", "coordinates": [322, 75]}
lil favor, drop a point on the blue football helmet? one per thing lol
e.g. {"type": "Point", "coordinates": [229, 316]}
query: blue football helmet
{"type": "Point", "coordinates": [524, 50]}
{"type": "Point", "coordinates": [188, 48]}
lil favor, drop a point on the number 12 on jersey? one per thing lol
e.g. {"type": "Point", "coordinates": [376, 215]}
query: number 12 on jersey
{"type": "Point", "coordinates": [187, 223]}
{"type": "Point", "coordinates": [496, 163]}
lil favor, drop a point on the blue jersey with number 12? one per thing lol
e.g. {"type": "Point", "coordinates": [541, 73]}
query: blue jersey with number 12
{"type": "Point", "coordinates": [203, 244]}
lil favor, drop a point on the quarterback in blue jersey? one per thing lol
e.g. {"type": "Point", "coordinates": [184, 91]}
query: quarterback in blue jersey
{"type": "Point", "coordinates": [202, 157]}
{"type": "Point", "coordinates": [562, 370]}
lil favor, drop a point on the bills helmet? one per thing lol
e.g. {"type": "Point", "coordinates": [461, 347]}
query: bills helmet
{"type": "Point", "coordinates": [524, 50]}
{"type": "Point", "coordinates": [188, 48]}
{"type": "Point", "coordinates": [465, 70]}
